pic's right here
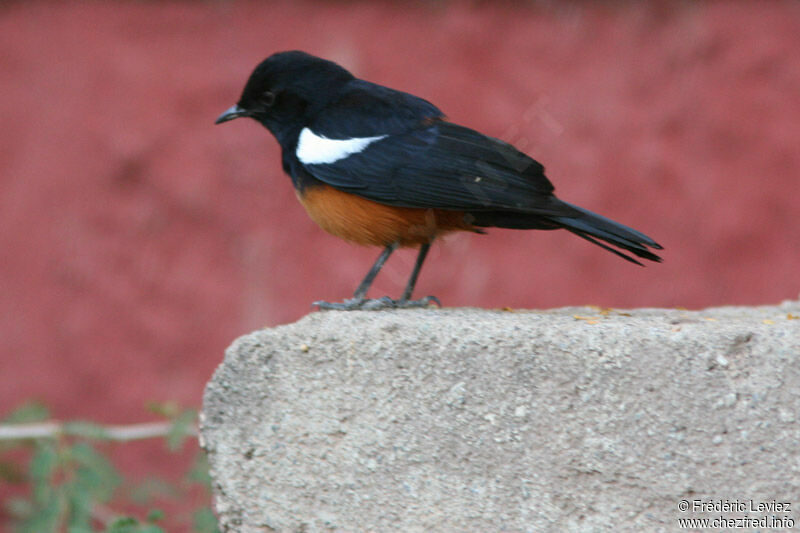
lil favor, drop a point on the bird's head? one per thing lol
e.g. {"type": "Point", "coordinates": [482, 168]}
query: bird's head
{"type": "Point", "coordinates": [285, 89]}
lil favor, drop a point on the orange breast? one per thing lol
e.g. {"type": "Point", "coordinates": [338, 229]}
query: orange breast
{"type": "Point", "coordinates": [363, 221]}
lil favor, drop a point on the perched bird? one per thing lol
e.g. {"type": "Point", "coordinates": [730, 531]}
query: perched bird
{"type": "Point", "coordinates": [381, 167]}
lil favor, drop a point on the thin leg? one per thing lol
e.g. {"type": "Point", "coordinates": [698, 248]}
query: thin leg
{"type": "Point", "coordinates": [358, 301]}
{"type": "Point", "coordinates": [412, 281]}
{"type": "Point", "coordinates": [362, 289]}
{"type": "Point", "coordinates": [405, 300]}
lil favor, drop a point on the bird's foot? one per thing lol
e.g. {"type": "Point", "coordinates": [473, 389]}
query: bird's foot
{"type": "Point", "coordinates": [422, 302]}
{"type": "Point", "coordinates": [354, 304]}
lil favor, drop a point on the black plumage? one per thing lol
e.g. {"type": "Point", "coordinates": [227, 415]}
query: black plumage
{"type": "Point", "coordinates": [402, 162]}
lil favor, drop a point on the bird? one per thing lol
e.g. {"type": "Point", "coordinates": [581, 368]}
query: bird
{"type": "Point", "coordinates": [381, 167]}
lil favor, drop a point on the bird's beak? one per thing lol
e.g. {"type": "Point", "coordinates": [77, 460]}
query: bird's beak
{"type": "Point", "coordinates": [231, 113]}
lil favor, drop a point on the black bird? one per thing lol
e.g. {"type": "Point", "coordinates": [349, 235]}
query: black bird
{"type": "Point", "coordinates": [381, 167]}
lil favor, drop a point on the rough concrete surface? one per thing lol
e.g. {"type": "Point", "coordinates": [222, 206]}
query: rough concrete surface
{"type": "Point", "coordinates": [574, 419]}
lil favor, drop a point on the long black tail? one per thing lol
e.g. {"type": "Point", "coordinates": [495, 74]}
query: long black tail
{"type": "Point", "coordinates": [591, 226]}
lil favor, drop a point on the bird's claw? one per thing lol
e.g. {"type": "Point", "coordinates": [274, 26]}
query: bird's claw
{"type": "Point", "coordinates": [422, 302]}
{"type": "Point", "coordinates": [371, 304]}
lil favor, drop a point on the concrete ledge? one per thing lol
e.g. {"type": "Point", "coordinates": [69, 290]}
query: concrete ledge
{"type": "Point", "coordinates": [472, 420]}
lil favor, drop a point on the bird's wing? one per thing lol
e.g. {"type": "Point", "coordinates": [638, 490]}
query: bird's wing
{"type": "Point", "coordinates": [402, 153]}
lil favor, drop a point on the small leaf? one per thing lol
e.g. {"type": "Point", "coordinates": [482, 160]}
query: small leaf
{"type": "Point", "coordinates": [18, 507]}
{"type": "Point", "coordinates": [79, 505]}
{"type": "Point", "coordinates": [129, 524]}
{"type": "Point", "coordinates": [43, 464]}
{"type": "Point", "coordinates": [46, 508]}
{"type": "Point", "coordinates": [155, 515]}
{"type": "Point", "coordinates": [94, 474]}
{"type": "Point", "coordinates": [165, 409]}
{"type": "Point", "coordinates": [46, 515]}
{"type": "Point", "coordinates": [199, 472]}
{"type": "Point", "coordinates": [152, 487]}
{"type": "Point", "coordinates": [182, 426]}
{"type": "Point", "coordinates": [124, 524]}
{"type": "Point", "coordinates": [31, 411]}
{"type": "Point", "coordinates": [79, 493]}
{"type": "Point", "coordinates": [205, 521]}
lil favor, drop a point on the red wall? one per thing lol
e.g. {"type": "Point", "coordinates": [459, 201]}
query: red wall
{"type": "Point", "coordinates": [137, 240]}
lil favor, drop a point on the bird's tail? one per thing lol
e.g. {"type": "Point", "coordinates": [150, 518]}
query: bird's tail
{"type": "Point", "coordinates": [591, 226]}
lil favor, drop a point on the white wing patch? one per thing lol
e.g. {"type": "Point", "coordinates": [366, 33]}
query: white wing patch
{"type": "Point", "coordinates": [313, 149]}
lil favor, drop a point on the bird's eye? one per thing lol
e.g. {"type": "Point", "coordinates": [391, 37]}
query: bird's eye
{"type": "Point", "coordinates": [268, 98]}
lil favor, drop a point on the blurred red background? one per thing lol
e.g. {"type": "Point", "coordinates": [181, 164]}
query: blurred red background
{"type": "Point", "coordinates": [138, 240]}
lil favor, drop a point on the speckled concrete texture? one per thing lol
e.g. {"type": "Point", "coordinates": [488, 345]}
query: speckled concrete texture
{"type": "Point", "coordinates": [574, 419]}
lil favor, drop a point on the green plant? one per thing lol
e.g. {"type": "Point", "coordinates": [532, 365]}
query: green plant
{"type": "Point", "coordinates": [71, 483]}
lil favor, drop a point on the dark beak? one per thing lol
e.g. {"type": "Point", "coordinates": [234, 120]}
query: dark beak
{"type": "Point", "coordinates": [231, 113]}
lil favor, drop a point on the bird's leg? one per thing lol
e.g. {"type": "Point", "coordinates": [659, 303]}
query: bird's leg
{"type": "Point", "coordinates": [358, 301]}
{"type": "Point", "coordinates": [366, 283]}
{"type": "Point", "coordinates": [405, 300]}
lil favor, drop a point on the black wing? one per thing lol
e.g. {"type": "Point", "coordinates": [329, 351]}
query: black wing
{"type": "Point", "coordinates": [426, 162]}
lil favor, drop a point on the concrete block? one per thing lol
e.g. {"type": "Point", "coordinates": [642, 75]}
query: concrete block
{"type": "Point", "coordinates": [574, 419]}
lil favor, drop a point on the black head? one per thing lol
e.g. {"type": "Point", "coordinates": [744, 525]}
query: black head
{"type": "Point", "coordinates": [285, 89]}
